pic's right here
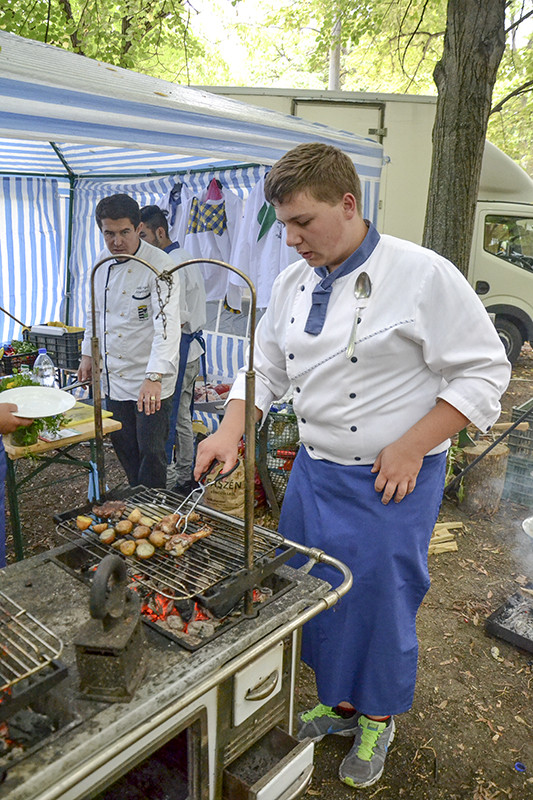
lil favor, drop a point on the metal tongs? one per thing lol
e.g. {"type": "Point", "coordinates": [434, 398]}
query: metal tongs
{"type": "Point", "coordinates": [196, 495]}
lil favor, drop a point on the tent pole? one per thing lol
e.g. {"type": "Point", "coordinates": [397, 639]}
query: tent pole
{"type": "Point", "coordinates": [69, 247]}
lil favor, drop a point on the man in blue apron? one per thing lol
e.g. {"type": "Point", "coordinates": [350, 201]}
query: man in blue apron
{"type": "Point", "coordinates": [375, 413]}
{"type": "Point", "coordinates": [180, 443]}
{"type": "Point", "coordinates": [8, 423]}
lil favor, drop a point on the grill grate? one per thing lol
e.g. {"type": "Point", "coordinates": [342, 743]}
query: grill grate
{"type": "Point", "coordinates": [201, 567]}
{"type": "Point", "coordinates": [26, 646]}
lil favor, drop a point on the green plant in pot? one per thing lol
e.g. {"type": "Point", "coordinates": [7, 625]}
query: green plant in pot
{"type": "Point", "coordinates": [26, 436]}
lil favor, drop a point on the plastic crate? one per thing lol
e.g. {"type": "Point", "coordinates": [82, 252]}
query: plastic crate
{"type": "Point", "coordinates": [521, 442]}
{"type": "Point", "coordinates": [10, 363]}
{"type": "Point", "coordinates": [283, 441]}
{"type": "Point", "coordinates": [64, 350]}
{"type": "Point", "coordinates": [518, 487]}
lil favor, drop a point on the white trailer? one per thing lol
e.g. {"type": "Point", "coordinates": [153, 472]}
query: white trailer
{"type": "Point", "coordinates": [501, 263]}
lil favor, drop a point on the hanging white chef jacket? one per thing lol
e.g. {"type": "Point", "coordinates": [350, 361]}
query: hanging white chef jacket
{"type": "Point", "coordinates": [134, 338]}
{"type": "Point", "coordinates": [217, 244]}
{"type": "Point", "coordinates": [193, 312]}
{"type": "Point", "coordinates": [424, 334]}
{"type": "Point", "coordinates": [260, 249]}
{"type": "Point", "coordinates": [178, 213]}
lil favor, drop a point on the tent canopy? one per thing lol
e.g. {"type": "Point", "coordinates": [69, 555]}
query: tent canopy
{"type": "Point", "coordinates": [69, 125]}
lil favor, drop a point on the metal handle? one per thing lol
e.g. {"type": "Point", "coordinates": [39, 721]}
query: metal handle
{"type": "Point", "coordinates": [106, 600]}
{"type": "Point", "coordinates": [264, 688]}
{"type": "Point", "coordinates": [220, 476]}
{"type": "Point", "coordinates": [353, 334]}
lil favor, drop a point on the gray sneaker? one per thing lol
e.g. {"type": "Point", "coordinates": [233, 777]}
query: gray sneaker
{"type": "Point", "coordinates": [364, 764]}
{"type": "Point", "coordinates": [322, 720]}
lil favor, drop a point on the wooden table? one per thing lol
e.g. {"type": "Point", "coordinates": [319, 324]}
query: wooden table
{"type": "Point", "coordinates": [47, 454]}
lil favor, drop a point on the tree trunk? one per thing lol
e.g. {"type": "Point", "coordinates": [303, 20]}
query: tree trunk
{"type": "Point", "coordinates": [473, 47]}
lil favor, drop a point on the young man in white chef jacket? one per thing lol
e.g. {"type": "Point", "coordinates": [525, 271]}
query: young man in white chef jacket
{"type": "Point", "coordinates": [139, 341]}
{"type": "Point", "coordinates": [193, 314]}
{"type": "Point", "coordinates": [367, 483]}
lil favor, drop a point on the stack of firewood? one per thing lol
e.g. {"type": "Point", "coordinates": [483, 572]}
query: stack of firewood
{"type": "Point", "coordinates": [443, 539]}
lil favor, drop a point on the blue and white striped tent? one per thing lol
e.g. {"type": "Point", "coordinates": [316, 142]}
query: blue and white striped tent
{"type": "Point", "coordinates": [73, 130]}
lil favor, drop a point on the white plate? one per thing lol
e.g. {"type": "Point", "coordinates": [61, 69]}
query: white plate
{"type": "Point", "coordinates": [38, 401]}
{"type": "Point", "coordinates": [527, 526]}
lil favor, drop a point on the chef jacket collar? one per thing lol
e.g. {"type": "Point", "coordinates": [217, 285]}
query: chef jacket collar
{"type": "Point", "coordinates": [169, 248]}
{"type": "Point", "coordinates": [322, 292]}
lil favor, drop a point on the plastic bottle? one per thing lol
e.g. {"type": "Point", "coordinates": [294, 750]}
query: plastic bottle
{"type": "Point", "coordinates": [43, 368]}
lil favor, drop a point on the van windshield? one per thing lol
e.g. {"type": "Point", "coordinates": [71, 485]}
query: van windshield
{"type": "Point", "coordinates": [510, 238]}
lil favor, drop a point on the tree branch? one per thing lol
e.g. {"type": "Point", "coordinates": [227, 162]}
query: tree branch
{"type": "Point", "coordinates": [515, 93]}
{"type": "Point", "coordinates": [76, 42]}
{"type": "Point", "coordinates": [518, 21]}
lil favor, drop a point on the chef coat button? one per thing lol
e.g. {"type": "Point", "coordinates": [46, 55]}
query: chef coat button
{"type": "Point", "coordinates": [119, 335]}
{"type": "Point", "coordinates": [353, 428]}
{"type": "Point", "coordinates": [311, 447]}
{"type": "Point", "coordinates": [352, 395]}
{"type": "Point", "coordinates": [129, 270]}
{"type": "Point", "coordinates": [353, 359]}
{"type": "Point", "coordinates": [302, 288]}
{"type": "Point", "coordinates": [123, 291]}
{"type": "Point", "coordinates": [292, 320]}
{"type": "Point", "coordinates": [358, 320]}
{"type": "Point", "coordinates": [120, 356]}
{"type": "Point", "coordinates": [303, 420]}
{"type": "Point", "coordinates": [298, 389]}
{"type": "Point", "coordinates": [357, 458]}
{"type": "Point", "coordinates": [106, 353]}
{"type": "Point", "coordinates": [291, 355]}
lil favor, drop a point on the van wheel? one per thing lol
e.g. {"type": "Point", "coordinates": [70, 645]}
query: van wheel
{"type": "Point", "coordinates": [510, 337]}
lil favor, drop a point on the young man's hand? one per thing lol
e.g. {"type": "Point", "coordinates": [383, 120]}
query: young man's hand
{"type": "Point", "coordinates": [149, 399]}
{"type": "Point", "coordinates": [8, 421]}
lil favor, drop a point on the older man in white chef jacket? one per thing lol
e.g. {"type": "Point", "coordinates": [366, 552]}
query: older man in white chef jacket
{"type": "Point", "coordinates": [138, 324]}
{"type": "Point", "coordinates": [375, 413]}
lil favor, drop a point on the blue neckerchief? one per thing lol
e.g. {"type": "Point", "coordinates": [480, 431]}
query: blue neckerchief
{"type": "Point", "coordinates": [322, 292]}
{"type": "Point", "coordinates": [171, 247]}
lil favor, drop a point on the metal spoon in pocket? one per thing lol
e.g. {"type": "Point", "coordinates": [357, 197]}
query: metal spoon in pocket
{"type": "Point", "coordinates": [362, 290]}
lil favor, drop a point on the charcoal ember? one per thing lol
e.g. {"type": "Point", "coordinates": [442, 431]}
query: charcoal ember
{"type": "Point", "coordinates": [174, 623]}
{"type": "Point", "coordinates": [201, 628]}
{"type": "Point", "coordinates": [185, 607]}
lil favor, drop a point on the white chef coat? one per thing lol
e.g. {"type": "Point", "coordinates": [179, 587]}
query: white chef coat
{"type": "Point", "coordinates": [424, 334]}
{"type": "Point", "coordinates": [193, 312]}
{"type": "Point", "coordinates": [131, 334]}
{"type": "Point", "coordinates": [208, 244]}
{"type": "Point", "coordinates": [262, 259]}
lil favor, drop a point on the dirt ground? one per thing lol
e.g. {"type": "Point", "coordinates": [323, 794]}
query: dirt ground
{"type": "Point", "coordinates": [472, 718]}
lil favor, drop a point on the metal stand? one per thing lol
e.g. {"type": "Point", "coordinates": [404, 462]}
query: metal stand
{"type": "Point", "coordinates": [249, 461]}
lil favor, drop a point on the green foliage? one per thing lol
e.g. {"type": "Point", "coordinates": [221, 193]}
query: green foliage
{"type": "Point", "coordinates": [147, 35]}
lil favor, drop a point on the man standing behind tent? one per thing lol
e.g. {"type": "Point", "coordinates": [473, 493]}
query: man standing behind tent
{"type": "Point", "coordinates": [138, 324]}
{"type": "Point", "coordinates": [193, 317]}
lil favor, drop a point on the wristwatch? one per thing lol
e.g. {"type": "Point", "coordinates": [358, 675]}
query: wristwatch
{"type": "Point", "coordinates": [154, 376]}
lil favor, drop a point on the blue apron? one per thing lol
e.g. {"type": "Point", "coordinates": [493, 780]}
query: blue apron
{"type": "Point", "coordinates": [185, 343]}
{"type": "Point", "coordinates": [364, 650]}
